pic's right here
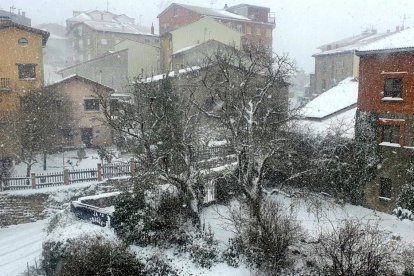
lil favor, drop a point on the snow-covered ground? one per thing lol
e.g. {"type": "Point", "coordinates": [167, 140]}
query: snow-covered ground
{"type": "Point", "coordinates": [21, 244]}
{"type": "Point", "coordinates": [69, 160]}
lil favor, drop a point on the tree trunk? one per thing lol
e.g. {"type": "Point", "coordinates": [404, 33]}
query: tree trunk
{"type": "Point", "coordinates": [44, 161]}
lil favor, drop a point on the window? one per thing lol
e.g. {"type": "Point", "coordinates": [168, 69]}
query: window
{"type": "Point", "coordinates": [269, 33]}
{"type": "Point", "coordinates": [91, 105]}
{"type": "Point", "coordinates": [393, 88]}
{"type": "Point", "coordinates": [89, 41]}
{"type": "Point", "coordinates": [67, 134]}
{"type": "Point", "coordinates": [175, 11]}
{"type": "Point", "coordinates": [257, 31]}
{"type": "Point", "coordinates": [385, 187]}
{"type": "Point", "coordinates": [323, 85]}
{"type": "Point", "coordinates": [248, 29]}
{"type": "Point", "coordinates": [391, 134]}
{"type": "Point", "coordinates": [104, 41]}
{"type": "Point", "coordinates": [80, 43]}
{"type": "Point", "coordinates": [27, 71]}
{"type": "Point", "coordinates": [23, 42]}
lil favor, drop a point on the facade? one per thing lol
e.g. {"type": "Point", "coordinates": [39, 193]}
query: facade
{"type": "Point", "coordinates": [117, 69]}
{"type": "Point", "coordinates": [338, 61]}
{"type": "Point", "coordinates": [184, 26]}
{"type": "Point", "coordinates": [89, 126]}
{"type": "Point", "coordinates": [94, 33]}
{"type": "Point", "coordinates": [195, 55]}
{"type": "Point", "coordinates": [21, 71]}
{"type": "Point", "coordinates": [19, 17]}
{"type": "Point", "coordinates": [386, 96]}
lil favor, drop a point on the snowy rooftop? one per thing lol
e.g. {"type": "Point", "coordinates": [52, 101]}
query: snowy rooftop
{"type": "Point", "coordinates": [212, 12]}
{"type": "Point", "coordinates": [173, 73]}
{"type": "Point", "coordinates": [399, 40]}
{"type": "Point", "coordinates": [342, 123]}
{"type": "Point", "coordinates": [357, 44]}
{"type": "Point", "coordinates": [115, 27]}
{"type": "Point", "coordinates": [342, 96]}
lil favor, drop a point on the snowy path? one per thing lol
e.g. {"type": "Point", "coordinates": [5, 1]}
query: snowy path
{"type": "Point", "coordinates": [19, 245]}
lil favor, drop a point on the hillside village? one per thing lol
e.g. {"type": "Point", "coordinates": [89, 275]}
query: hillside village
{"type": "Point", "coordinates": [151, 139]}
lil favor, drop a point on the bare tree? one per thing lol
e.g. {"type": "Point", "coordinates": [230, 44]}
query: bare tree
{"type": "Point", "coordinates": [43, 115]}
{"type": "Point", "coordinates": [162, 128]}
{"type": "Point", "coordinates": [357, 248]}
{"type": "Point", "coordinates": [245, 93]}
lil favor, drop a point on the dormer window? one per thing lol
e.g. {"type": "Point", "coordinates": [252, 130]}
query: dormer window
{"type": "Point", "coordinates": [23, 42]}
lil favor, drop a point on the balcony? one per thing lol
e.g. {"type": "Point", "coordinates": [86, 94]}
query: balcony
{"type": "Point", "coordinates": [5, 84]}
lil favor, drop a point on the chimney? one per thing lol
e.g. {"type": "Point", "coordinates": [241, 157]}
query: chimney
{"type": "Point", "coordinates": [152, 28]}
{"type": "Point", "coordinates": [23, 14]}
{"type": "Point", "coordinates": [397, 29]}
{"type": "Point", "coordinates": [225, 6]}
{"type": "Point", "coordinates": [402, 28]}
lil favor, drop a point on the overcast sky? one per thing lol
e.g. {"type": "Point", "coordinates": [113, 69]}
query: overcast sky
{"type": "Point", "coordinates": [301, 25]}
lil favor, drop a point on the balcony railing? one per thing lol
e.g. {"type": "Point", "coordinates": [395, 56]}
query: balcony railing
{"type": "Point", "coordinates": [5, 84]}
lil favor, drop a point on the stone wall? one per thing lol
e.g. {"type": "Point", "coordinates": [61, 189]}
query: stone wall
{"type": "Point", "coordinates": [18, 208]}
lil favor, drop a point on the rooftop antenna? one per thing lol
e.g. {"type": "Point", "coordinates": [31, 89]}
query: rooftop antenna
{"type": "Point", "coordinates": [212, 3]}
{"type": "Point", "coordinates": [12, 8]}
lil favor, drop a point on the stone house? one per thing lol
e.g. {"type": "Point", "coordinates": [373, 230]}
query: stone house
{"type": "Point", "coordinates": [253, 24]}
{"type": "Point", "coordinates": [94, 33]}
{"type": "Point", "coordinates": [195, 55]}
{"type": "Point", "coordinates": [337, 60]}
{"type": "Point", "coordinates": [89, 126]}
{"type": "Point", "coordinates": [386, 96]}
{"type": "Point", "coordinates": [21, 72]}
{"type": "Point", "coordinates": [117, 69]}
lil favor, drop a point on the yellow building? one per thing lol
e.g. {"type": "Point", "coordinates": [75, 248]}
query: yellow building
{"type": "Point", "coordinates": [195, 34]}
{"type": "Point", "coordinates": [21, 71]}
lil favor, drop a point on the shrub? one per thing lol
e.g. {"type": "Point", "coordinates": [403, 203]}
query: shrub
{"type": "Point", "coordinates": [89, 255]}
{"type": "Point", "coordinates": [265, 243]}
{"type": "Point", "coordinates": [356, 249]}
{"type": "Point", "coordinates": [204, 250]}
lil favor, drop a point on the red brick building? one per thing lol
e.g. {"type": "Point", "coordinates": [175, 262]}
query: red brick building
{"type": "Point", "coordinates": [185, 26]}
{"type": "Point", "coordinates": [386, 95]}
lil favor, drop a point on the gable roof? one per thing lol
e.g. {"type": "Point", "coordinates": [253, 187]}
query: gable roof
{"type": "Point", "coordinates": [402, 41]}
{"type": "Point", "coordinates": [112, 27]}
{"type": "Point", "coordinates": [91, 60]}
{"type": "Point", "coordinates": [10, 24]}
{"type": "Point", "coordinates": [80, 78]}
{"type": "Point", "coordinates": [338, 98]}
{"type": "Point", "coordinates": [217, 13]}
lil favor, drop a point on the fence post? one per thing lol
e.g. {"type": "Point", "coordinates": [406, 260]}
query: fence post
{"type": "Point", "coordinates": [132, 167]}
{"type": "Point", "coordinates": [66, 177]}
{"type": "Point", "coordinates": [100, 177]}
{"type": "Point", "coordinates": [33, 176]}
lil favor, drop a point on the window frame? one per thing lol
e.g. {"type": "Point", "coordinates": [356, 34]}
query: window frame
{"type": "Point", "coordinates": [397, 87]}
{"type": "Point", "coordinates": [20, 72]}
{"type": "Point", "coordinates": [87, 107]}
{"type": "Point", "coordinates": [389, 123]}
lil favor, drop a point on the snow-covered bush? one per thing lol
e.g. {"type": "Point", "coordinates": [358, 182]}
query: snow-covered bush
{"type": "Point", "coordinates": [231, 254]}
{"type": "Point", "coordinates": [403, 213]}
{"type": "Point", "coordinates": [356, 248]}
{"type": "Point", "coordinates": [264, 240]}
{"type": "Point", "coordinates": [89, 255]}
{"type": "Point", "coordinates": [203, 250]}
{"type": "Point", "coordinates": [149, 216]}
{"type": "Point", "coordinates": [156, 265]}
